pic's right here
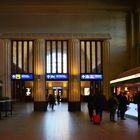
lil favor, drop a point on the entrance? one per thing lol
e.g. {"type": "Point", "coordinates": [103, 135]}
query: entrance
{"type": "Point", "coordinates": [57, 91]}
{"type": "Point", "coordinates": [58, 88]}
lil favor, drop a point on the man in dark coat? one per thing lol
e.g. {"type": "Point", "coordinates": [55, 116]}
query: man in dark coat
{"type": "Point", "coordinates": [90, 105]}
{"type": "Point", "coordinates": [123, 102]}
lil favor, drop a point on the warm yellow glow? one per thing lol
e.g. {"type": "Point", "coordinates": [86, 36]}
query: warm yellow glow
{"type": "Point", "coordinates": [75, 71]}
{"type": "Point", "coordinates": [64, 84]}
{"type": "Point", "coordinates": [50, 84]}
{"type": "Point", "coordinates": [14, 52]}
{"type": "Point", "coordinates": [126, 89]}
{"type": "Point", "coordinates": [39, 70]}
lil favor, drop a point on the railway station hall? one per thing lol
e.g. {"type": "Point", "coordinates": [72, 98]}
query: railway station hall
{"type": "Point", "coordinates": [61, 62]}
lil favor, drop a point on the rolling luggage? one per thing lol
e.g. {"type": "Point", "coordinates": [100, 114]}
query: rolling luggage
{"type": "Point", "coordinates": [96, 119]}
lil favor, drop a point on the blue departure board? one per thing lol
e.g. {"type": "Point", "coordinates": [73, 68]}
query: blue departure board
{"type": "Point", "coordinates": [96, 76]}
{"type": "Point", "coordinates": [56, 76]}
{"type": "Point", "coordinates": [22, 76]}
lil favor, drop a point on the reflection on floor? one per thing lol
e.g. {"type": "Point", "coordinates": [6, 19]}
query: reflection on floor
{"type": "Point", "coordinates": [60, 124]}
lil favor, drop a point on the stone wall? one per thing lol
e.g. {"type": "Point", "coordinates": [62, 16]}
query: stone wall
{"type": "Point", "coordinates": [102, 18]}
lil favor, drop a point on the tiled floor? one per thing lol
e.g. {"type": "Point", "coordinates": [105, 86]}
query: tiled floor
{"type": "Point", "coordinates": [63, 125]}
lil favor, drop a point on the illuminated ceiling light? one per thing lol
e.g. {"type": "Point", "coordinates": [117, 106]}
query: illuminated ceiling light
{"type": "Point", "coordinates": [125, 78]}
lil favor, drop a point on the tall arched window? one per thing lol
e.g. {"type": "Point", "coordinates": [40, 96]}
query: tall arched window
{"type": "Point", "coordinates": [22, 56]}
{"type": "Point", "coordinates": [56, 56]}
{"type": "Point", "coordinates": [91, 56]}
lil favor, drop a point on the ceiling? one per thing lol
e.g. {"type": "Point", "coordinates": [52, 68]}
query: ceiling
{"type": "Point", "coordinates": [64, 1]}
{"type": "Point", "coordinates": [45, 6]}
{"type": "Point", "coordinates": [67, 2]}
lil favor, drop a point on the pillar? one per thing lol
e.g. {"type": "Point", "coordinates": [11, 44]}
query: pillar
{"type": "Point", "coordinates": [39, 76]}
{"type": "Point", "coordinates": [130, 40]}
{"type": "Point", "coordinates": [138, 55]}
{"type": "Point", "coordinates": [106, 69]}
{"type": "Point", "coordinates": [6, 65]}
{"type": "Point", "coordinates": [74, 76]}
{"type": "Point", "coordinates": [137, 36]}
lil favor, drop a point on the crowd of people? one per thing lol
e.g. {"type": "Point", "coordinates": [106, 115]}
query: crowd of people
{"type": "Point", "coordinates": [117, 105]}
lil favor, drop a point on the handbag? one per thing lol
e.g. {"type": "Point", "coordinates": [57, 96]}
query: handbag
{"type": "Point", "coordinates": [96, 119]}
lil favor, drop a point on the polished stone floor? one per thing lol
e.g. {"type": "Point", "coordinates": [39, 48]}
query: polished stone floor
{"type": "Point", "coordinates": [60, 124]}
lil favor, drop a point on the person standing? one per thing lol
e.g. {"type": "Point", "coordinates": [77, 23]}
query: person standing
{"type": "Point", "coordinates": [58, 98]}
{"type": "Point", "coordinates": [137, 101]}
{"type": "Point", "coordinates": [123, 105]}
{"type": "Point", "coordinates": [113, 104]}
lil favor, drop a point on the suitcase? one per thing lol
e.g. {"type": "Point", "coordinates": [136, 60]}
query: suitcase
{"type": "Point", "coordinates": [96, 119]}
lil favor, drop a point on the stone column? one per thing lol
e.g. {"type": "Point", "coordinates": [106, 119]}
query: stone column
{"type": "Point", "coordinates": [74, 76]}
{"type": "Point", "coordinates": [130, 40]}
{"type": "Point", "coordinates": [39, 74]}
{"type": "Point", "coordinates": [106, 69]}
{"type": "Point", "coordinates": [6, 65]}
{"type": "Point", "coordinates": [137, 36]}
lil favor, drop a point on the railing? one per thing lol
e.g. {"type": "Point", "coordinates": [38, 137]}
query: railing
{"type": "Point", "coordinates": [6, 105]}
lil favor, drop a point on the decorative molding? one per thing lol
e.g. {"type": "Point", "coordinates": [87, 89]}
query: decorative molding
{"type": "Point", "coordinates": [54, 35]}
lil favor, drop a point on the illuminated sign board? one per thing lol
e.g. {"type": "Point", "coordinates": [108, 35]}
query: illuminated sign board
{"type": "Point", "coordinates": [22, 76]}
{"type": "Point", "coordinates": [91, 76]}
{"type": "Point", "coordinates": [56, 76]}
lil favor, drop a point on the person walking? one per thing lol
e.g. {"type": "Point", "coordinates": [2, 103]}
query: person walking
{"type": "Point", "coordinates": [99, 103]}
{"type": "Point", "coordinates": [58, 98]}
{"type": "Point", "coordinates": [52, 101]}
